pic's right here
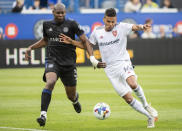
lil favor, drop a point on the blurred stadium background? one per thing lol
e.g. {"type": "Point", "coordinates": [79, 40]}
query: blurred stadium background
{"type": "Point", "coordinates": [156, 53]}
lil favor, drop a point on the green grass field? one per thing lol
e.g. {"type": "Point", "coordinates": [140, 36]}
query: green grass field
{"type": "Point", "coordinates": [20, 91]}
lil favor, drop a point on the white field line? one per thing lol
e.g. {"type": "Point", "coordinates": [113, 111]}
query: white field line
{"type": "Point", "coordinates": [23, 129]}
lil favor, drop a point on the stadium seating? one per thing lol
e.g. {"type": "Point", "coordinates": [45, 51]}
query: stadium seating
{"type": "Point", "coordinates": [6, 5]}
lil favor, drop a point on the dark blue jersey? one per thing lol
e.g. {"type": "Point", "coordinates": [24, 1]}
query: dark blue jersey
{"type": "Point", "coordinates": [63, 54]}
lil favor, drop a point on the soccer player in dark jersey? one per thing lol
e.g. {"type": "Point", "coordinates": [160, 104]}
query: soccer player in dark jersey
{"type": "Point", "coordinates": [60, 58]}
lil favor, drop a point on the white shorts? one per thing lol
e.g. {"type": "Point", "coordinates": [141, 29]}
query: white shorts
{"type": "Point", "coordinates": [118, 73]}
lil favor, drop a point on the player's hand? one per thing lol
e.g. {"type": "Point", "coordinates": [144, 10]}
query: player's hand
{"type": "Point", "coordinates": [27, 56]}
{"type": "Point", "coordinates": [146, 26]}
{"type": "Point", "coordinates": [65, 39]}
{"type": "Point", "coordinates": [101, 65]}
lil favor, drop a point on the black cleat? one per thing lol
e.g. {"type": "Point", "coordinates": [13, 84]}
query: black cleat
{"type": "Point", "coordinates": [41, 120]}
{"type": "Point", "coordinates": [77, 107]}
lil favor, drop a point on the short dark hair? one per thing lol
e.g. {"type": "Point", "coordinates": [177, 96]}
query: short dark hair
{"type": "Point", "coordinates": [111, 12]}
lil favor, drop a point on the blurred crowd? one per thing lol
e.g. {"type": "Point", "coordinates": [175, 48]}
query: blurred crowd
{"type": "Point", "coordinates": [137, 5]}
{"type": "Point", "coordinates": [129, 5]}
{"type": "Point", "coordinates": [20, 5]}
{"type": "Point", "coordinates": [156, 32]}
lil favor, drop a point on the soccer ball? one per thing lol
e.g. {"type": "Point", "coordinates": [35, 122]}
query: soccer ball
{"type": "Point", "coordinates": [101, 111]}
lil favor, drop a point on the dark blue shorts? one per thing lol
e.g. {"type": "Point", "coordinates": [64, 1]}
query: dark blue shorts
{"type": "Point", "coordinates": [67, 74]}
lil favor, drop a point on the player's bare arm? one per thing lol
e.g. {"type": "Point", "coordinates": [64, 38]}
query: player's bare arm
{"type": "Point", "coordinates": [141, 27]}
{"type": "Point", "coordinates": [89, 48]}
{"type": "Point", "coordinates": [41, 43]}
{"type": "Point", "coordinates": [68, 40]}
{"type": "Point", "coordinates": [87, 44]}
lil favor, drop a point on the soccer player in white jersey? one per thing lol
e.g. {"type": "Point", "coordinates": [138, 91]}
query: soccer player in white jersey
{"type": "Point", "coordinates": [112, 41]}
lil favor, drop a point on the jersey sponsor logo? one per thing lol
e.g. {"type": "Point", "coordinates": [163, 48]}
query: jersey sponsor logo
{"type": "Point", "coordinates": [109, 43]}
{"type": "Point", "coordinates": [54, 39]}
{"type": "Point", "coordinates": [114, 33]}
{"type": "Point", "coordinates": [65, 29]}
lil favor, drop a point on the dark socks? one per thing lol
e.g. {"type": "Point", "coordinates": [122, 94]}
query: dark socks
{"type": "Point", "coordinates": [77, 96]}
{"type": "Point", "coordinates": [45, 99]}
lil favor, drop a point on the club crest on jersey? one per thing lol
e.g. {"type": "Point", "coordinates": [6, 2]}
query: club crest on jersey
{"type": "Point", "coordinates": [50, 29]}
{"type": "Point", "coordinates": [65, 29]}
{"type": "Point", "coordinates": [114, 33]}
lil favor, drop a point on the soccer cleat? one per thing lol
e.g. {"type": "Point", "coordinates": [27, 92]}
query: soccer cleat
{"type": "Point", "coordinates": [151, 122]}
{"type": "Point", "coordinates": [41, 120]}
{"type": "Point", "coordinates": [77, 105]}
{"type": "Point", "coordinates": [153, 112]}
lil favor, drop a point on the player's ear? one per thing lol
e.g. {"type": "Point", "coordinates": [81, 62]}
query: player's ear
{"type": "Point", "coordinates": [116, 20]}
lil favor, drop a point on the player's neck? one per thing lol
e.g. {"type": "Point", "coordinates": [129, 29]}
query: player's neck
{"type": "Point", "coordinates": [108, 30]}
{"type": "Point", "coordinates": [59, 21]}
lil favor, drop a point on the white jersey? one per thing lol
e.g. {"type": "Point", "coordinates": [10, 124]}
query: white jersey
{"type": "Point", "coordinates": [112, 44]}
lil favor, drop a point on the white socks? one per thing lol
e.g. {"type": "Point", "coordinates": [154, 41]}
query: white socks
{"type": "Point", "coordinates": [140, 94]}
{"type": "Point", "coordinates": [135, 104]}
{"type": "Point", "coordinates": [44, 113]}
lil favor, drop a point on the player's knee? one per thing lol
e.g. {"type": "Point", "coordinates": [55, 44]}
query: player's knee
{"type": "Point", "coordinates": [50, 83]}
{"type": "Point", "coordinates": [129, 100]}
{"type": "Point", "coordinates": [133, 85]}
{"type": "Point", "coordinates": [128, 97]}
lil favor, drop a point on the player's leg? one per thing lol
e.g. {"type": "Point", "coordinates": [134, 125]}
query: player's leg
{"type": "Point", "coordinates": [69, 79]}
{"type": "Point", "coordinates": [122, 88]}
{"type": "Point", "coordinates": [136, 105]}
{"type": "Point", "coordinates": [130, 77]}
{"type": "Point", "coordinates": [51, 78]}
{"type": "Point", "coordinates": [132, 82]}
{"type": "Point", "coordinates": [73, 96]}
